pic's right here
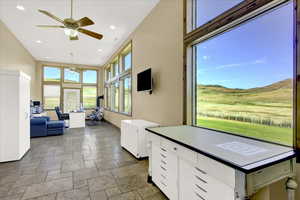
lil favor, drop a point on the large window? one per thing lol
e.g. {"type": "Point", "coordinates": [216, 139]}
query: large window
{"type": "Point", "coordinates": [118, 83]}
{"type": "Point", "coordinates": [71, 75]}
{"type": "Point", "coordinates": [89, 94]}
{"type": "Point", "coordinates": [51, 96]}
{"type": "Point", "coordinates": [243, 80]}
{"type": "Point", "coordinates": [52, 74]}
{"type": "Point", "coordinates": [53, 84]}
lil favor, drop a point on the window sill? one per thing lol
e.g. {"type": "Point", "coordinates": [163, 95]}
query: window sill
{"type": "Point", "coordinates": [121, 113]}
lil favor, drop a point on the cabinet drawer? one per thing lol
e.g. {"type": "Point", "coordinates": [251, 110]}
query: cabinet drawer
{"type": "Point", "coordinates": [168, 145]}
{"type": "Point", "coordinates": [155, 139]}
{"type": "Point", "coordinates": [187, 154]}
{"type": "Point", "coordinates": [216, 170]}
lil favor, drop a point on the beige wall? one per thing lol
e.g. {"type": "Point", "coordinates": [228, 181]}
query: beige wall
{"type": "Point", "coordinates": [14, 56]}
{"type": "Point", "coordinates": [158, 43]}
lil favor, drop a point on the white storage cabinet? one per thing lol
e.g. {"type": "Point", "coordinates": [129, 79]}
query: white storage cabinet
{"type": "Point", "coordinates": [134, 136]}
{"type": "Point", "coordinates": [183, 174]}
{"type": "Point", "coordinates": [14, 115]}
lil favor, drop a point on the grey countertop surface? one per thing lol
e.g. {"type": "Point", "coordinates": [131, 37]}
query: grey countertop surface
{"type": "Point", "coordinates": [240, 152]}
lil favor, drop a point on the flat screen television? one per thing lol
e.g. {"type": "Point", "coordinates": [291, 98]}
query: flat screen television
{"type": "Point", "coordinates": [144, 80]}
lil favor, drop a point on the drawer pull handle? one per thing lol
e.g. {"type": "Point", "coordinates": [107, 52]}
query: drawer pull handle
{"type": "Point", "coordinates": [163, 183]}
{"type": "Point", "coordinates": [200, 179]}
{"type": "Point", "coordinates": [163, 149]}
{"type": "Point", "coordinates": [163, 168]}
{"type": "Point", "coordinates": [198, 195]}
{"type": "Point", "coordinates": [199, 170]}
{"type": "Point", "coordinates": [175, 148]}
{"type": "Point", "coordinates": [163, 162]}
{"type": "Point", "coordinates": [201, 188]}
{"type": "Point", "coordinates": [163, 176]}
{"type": "Point", "coordinates": [163, 155]}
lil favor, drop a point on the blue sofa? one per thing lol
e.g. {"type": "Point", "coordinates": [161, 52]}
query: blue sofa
{"type": "Point", "coordinates": [42, 126]}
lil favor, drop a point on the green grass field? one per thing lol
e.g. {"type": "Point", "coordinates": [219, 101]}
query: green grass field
{"type": "Point", "coordinates": [89, 99]}
{"type": "Point", "coordinates": [264, 113]}
{"type": "Point", "coordinates": [263, 132]}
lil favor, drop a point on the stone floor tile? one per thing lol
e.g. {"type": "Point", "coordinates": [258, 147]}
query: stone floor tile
{"type": "Point", "coordinates": [76, 194]}
{"type": "Point", "coordinates": [13, 197]}
{"type": "Point", "coordinates": [110, 192]}
{"type": "Point", "coordinates": [41, 189]}
{"type": "Point", "coordinates": [101, 183]}
{"type": "Point", "coordinates": [99, 195]}
{"type": "Point", "coordinates": [127, 196]}
{"type": "Point", "coordinates": [46, 197]}
{"type": "Point", "coordinates": [52, 175]}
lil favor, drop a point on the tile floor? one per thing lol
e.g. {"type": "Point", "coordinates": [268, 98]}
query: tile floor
{"type": "Point", "coordinates": [83, 164]}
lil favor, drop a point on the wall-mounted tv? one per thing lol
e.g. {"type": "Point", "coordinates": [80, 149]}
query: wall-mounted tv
{"type": "Point", "coordinates": [144, 80]}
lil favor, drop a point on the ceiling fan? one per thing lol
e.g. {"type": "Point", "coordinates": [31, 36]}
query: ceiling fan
{"type": "Point", "coordinates": [72, 27]}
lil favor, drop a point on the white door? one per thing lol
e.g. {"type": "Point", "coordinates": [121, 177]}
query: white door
{"type": "Point", "coordinates": [71, 100]}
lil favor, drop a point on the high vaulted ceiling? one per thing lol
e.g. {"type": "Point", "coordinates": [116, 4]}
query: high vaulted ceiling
{"type": "Point", "coordinates": [54, 46]}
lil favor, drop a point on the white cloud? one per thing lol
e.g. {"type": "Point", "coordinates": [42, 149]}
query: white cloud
{"type": "Point", "coordinates": [256, 62]}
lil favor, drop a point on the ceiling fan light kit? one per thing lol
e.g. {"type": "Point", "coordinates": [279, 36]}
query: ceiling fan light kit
{"type": "Point", "coordinates": [72, 27]}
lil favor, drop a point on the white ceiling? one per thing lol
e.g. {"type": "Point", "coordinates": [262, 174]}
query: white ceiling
{"type": "Point", "coordinates": [125, 15]}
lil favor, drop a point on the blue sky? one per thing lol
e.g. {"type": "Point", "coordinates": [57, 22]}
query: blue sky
{"type": "Point", "coordinates": [255, 54]}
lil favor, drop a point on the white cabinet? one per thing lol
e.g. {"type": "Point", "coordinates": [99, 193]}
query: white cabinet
{"type": "Point", "coordinates": [165, 168]}
{"type": "Point", "coordinates": [14, 115]}
{"type": "Point", "coordinates": [134, 136]}
{"type": "Point", "coordinates": [77, 120]}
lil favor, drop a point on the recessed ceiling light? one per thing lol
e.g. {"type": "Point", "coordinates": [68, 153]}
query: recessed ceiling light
{"type": "Point", "coordinates": [100, 50]}
{"type": "Point", "coordinates": [38, 41]}
{"type": "Point", "coordinates": [20, 7]}
{"type": "Point", "coordinates": [112, 27]}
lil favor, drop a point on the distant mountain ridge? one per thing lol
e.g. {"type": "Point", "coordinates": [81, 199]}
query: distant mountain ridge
{"type": "Point", "coordinates": [284, 84]}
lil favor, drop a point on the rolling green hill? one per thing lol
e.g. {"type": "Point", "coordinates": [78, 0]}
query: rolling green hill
{"type": "Point", "coordinates": [265, 107]}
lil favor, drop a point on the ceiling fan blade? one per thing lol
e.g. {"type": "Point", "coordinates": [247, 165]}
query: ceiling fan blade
{"type": "Point", "coordinates": [49, 26]}
{"type": "Point", "coordinates": [91, 33]}
{"type": "Point", "coordinates": [73, 38]}
{"type": "Point", "coordinates": [85, 22]}
{"type": "Point", "coordinates": [50, 15]}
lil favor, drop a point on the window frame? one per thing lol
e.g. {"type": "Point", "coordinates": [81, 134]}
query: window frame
{"type": "Point", "coordinates": [70, 82]}
{"type": "Point", "coordinates": [43, 74]}
{"type": "Point", "coordinates": [231, 18]}
{"type": "Point", "coordinates": [69, 85]}
{"type": "Point", "coordinates": [123, 94]}
{"type": "Point", "coordinates": [43, 93]}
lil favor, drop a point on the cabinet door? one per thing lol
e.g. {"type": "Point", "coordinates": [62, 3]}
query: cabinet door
{"type": "Point", "coordinates": [132, 140]}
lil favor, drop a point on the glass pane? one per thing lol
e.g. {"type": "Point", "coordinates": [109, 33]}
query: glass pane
{"type": "Point", "coordinates": [51, 96]}
{"type": "Point", "coordinates": [207, 10]}
{"type": "Point", "coordinates": [127, 95]}
{"type": "Point", "coordinates": [127, 61]}
{"type": "Point", "coordinates": [245, 78]}
{"type": "Point", "coordinates": [89, 97]}
{"type": "Point", "coordinates": [72, 76]}
{"type": "Point", "coordinates": [71, 100]}
{"type": "Point", "coordinates": [116, 97]}
{"type": "Point", "coordinates": [90, 76]}
{"type": "Point", "coordinates": [115, 69]}
{"type": "Point", "coordinates": [51, 74]}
